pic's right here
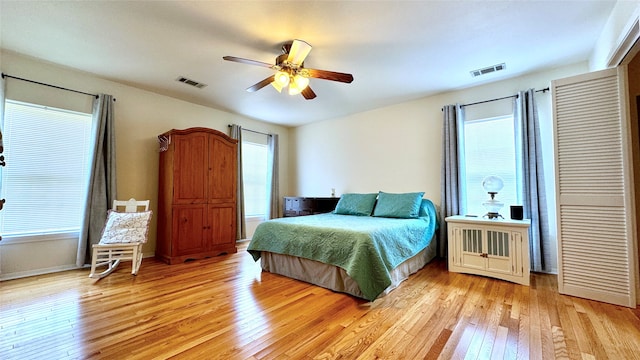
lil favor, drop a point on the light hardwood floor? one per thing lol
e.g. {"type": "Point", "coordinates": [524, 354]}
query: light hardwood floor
{"type": "Point", "coordinates": [225, 308]}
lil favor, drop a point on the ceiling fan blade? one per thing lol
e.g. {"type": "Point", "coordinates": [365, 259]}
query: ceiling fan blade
{"type": "Point", "coordinates": [248, 61]}
{"type": "Point", "coordinates": [299, 51]}
{"type": "Point", "coordinates": [329, 75]}
{"type": "Point", "coordinates": [308, 93]}
{"type": "Point", "coordinates": [261, 84]}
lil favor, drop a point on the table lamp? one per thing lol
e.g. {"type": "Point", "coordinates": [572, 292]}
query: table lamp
{"type": "Point", "coordinates": [492, 184]}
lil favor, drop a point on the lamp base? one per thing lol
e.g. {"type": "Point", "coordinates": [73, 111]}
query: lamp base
{"type": "Point", "coordinates": [492, 215]}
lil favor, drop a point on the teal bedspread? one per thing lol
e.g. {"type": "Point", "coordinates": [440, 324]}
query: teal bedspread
{"type": "Point", "coordinates": [366, 247]}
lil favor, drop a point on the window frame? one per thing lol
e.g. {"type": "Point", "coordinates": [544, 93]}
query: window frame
{"type": "Point", "coordinates": [519, 170]}
{"type": "Point", "coordinates": [38, 236]}
{"type": "Point", "coordinates": [250, 217]}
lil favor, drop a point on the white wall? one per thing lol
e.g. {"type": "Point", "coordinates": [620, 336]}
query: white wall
{"type": "Point", "coordinates": [619, 23]}
{"type": "Point", "coordinates": [399, 148]}
{"type": "Point", "coordinates": [140, 116]}
{"type": "Point", "coordinates": [386, 149]}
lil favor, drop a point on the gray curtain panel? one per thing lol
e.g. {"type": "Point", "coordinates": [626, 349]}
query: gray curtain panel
{"type": "Point", "coordinates": [3, 83]}
{"type": "Point", "coordinates": [101, 190]}
{"type": "Point", "coordinates": [534, 198]}
{"type": "Point", "coordinates": [241, 225]}
{"type": "Point", "coordinates": [450, 176]}
{"type": "Point", "coordinates": [273, 208]}
{"type": "Point", "coordinates": [2, 99]}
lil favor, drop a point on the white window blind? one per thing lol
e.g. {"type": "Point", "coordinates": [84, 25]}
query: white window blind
{"type": "Point", "coordinates": [489, 149]}
{"type": "Point", "coordinates": [44, 181]}
{"type": "Point", "coordinates": [254, 172]}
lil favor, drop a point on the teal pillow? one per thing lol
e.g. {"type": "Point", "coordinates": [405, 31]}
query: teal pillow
{"type": "Point", "coordinates": [356, 204]}
{"type": "Point", "coordinates": [405, 205]}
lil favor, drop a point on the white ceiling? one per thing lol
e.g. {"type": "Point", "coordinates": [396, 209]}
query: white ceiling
{"type": "Point", "coordinates": [396, 50]}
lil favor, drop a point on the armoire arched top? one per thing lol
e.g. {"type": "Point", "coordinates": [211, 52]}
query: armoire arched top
{"type": "Point", "coordinates": [165, 137]}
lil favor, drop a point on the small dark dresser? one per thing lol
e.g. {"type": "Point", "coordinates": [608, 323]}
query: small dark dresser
{"type": "Point", "coordinates": [300, 206]}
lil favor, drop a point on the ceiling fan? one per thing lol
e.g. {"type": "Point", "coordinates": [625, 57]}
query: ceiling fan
{"type": "Point", "coordinates": [290, 71]}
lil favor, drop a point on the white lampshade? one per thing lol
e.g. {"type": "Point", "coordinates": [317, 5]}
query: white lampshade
{"type": "Point", "coordinates": [492, 184]}
{"type": "Point", "coordinates": [282, 78]}
{"type": "Point", "coordinates": [294, 89]}
{"type": "Point", "coordinates": [301, 81]}
{"type": "Point", "coordinates": [298, 84]}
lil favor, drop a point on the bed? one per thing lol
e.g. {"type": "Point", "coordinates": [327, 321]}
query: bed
{"type": "Point", "coordinates": [366, 247]}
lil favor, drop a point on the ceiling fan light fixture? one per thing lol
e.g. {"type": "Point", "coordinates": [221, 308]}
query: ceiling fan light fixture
{"type": "Point", "coordinates": [294, 89]}
{"type": "Point", "coordinates": [282, 78]}
{"type": "Point", "coordinates": [301, 81]}
{"type": "Point", "coordinates": [290, 71]}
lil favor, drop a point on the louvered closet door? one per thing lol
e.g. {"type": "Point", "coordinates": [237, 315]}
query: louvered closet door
{"type": "Point", "coordinates": [594, 188]}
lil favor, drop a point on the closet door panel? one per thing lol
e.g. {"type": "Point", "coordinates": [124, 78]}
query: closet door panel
{"type": "Point", "coordinates": [594, 189]}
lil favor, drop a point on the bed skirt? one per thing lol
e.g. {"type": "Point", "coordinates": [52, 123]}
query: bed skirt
{"type": "Point", "coordinates": [335, 278]}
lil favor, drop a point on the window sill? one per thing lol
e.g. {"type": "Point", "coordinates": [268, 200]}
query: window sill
{"type": "Point", "coordinates": [10, 240]}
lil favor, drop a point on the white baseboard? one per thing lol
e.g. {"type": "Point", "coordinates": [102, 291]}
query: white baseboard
{"type": "Point", "coordinates": [22, 274]}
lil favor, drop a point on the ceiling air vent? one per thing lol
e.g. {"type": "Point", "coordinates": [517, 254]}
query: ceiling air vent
{"type": "Point", "coordinates": [488, 70]}
{"type": "Point", "coordinates": [184, 80]}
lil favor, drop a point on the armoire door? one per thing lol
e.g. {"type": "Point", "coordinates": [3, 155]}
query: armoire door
{"type": "Point", "coordinates": [190, 230]}
{"type": "Point", "coordinates": [223, 226]}
{"type": "Point", "coordinates": [190, 168]}
{"type": "Point", "coordinates": [594, 188]}
{"type": "Point", "coordinates": [222, 170]}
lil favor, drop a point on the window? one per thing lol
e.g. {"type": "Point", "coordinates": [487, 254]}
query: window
{"type": "Point", "coordinates": [489, 149]}
{"type": "Point", "coordinates": [44, 181]}
{"type": "Point", "coordinates": [254, 172]}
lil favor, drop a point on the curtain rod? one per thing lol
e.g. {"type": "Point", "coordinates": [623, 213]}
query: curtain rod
{"type": "Point", "coordinates": [502, 98]}
{"type": "Point", "coordinates": [53, 86]}
{"type": "Point", "coordinates": [253, 131]}
{"type": "Point", "coordinates": [496, 99]}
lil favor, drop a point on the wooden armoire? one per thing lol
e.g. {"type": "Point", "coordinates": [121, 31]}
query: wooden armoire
{"type": "Point", "coordinates": [196, 195]}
